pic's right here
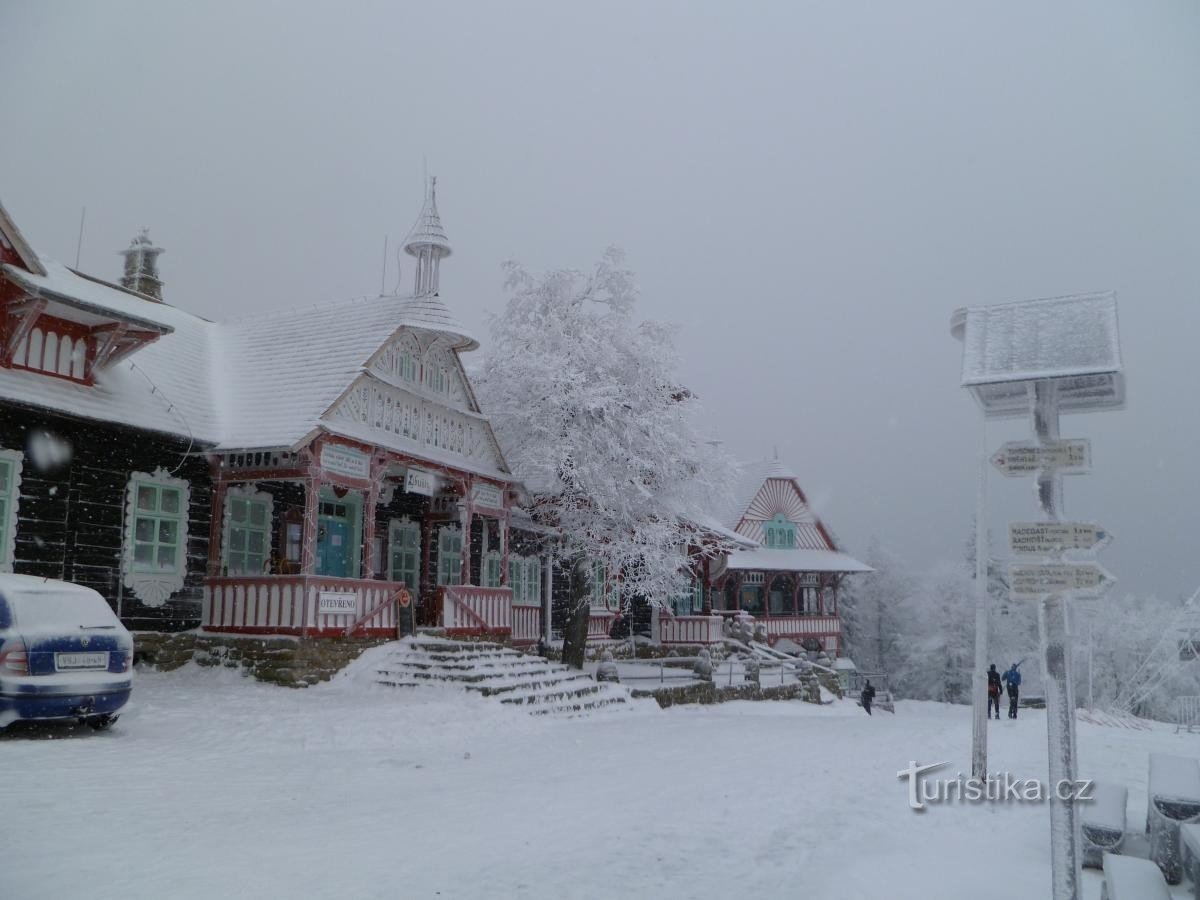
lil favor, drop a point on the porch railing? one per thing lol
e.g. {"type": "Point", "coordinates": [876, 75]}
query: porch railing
{"type": "Point", "coordinates": [668, 628]}
{"type": "Point", "coordinates": [293, 604]}
{"type": "Point", "coordinates": [469, 610]}
{"type": "Point", "coordinates": [526, 623]}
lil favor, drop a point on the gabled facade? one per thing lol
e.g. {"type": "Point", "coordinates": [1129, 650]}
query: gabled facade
{"type": "Point", "coordinates": [287, 472]}
{"type": "Point", "coordinates": [789, 583]}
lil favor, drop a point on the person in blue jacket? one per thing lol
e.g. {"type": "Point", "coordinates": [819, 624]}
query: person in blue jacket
{"type": "Point", "coordinates": [1012, 679]}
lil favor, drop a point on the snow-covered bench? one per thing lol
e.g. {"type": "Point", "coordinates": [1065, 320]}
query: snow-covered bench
{"type": "Point", "coordinates": [1189, 842]}
{"type": "Point", "coordinates": [1103, 822]}
{"type": "Point", "coordinates": [1130, 878]}
{"type": "Point", "coordinates": [1174, 797]}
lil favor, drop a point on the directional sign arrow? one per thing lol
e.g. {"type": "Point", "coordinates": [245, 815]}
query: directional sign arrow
{"type": "Point", "coordinates": [1072, 457]}
{"type": "Point", "coordinates": [1082, 580]}
{"type": "Point", "coordinates": [1044, 538]}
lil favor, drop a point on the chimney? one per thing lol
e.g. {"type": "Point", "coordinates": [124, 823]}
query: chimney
{"type": "Point", "coordinates": [141, 267]}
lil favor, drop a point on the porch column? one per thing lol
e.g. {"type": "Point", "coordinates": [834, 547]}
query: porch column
{"type": "Point", "coordinates": [216, 527]}
{"type": "Point", "coordinates": [368, 531]}
{"type": "Point", "coordinates": [503, 524]}
{"type": "Point", "coordinates": [308, 548]}
{"type": "Point", "coordinates": [548, 594]}
{"type": "Point", "coordinates": [465, 517]}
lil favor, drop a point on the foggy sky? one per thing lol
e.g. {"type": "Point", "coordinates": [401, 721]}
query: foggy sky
{"type": "Point", "coordinates": [808, 189]}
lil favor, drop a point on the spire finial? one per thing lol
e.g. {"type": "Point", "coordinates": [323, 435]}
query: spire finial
{"type": "Point", "coordinates": [427, 242]}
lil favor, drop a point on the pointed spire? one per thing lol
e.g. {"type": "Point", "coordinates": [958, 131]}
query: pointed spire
{"type": "Point", "coordinates": [141, 266]}
{"type": "Point", "coordinates": [427, 241]}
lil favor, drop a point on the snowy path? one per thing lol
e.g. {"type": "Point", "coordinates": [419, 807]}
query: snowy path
{"type": "Point", "coordinates": [215, 786]}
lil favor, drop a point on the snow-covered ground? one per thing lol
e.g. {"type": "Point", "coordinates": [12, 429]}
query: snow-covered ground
{"type": "Point", "coordinates": [216, 786]}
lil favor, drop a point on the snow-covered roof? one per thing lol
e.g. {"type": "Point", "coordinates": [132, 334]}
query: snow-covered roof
{"type": "Point", "coordinates": [431, 313]}
{"type": "Point", "coordinates": [796, 561]}
{"type": "Point", "coordinates": [1071, 339]}
{"type": "Point", "coordinates": [88, 295]}
{"type": "Point", "coordinates": [710, 524]}
{"type": "Point", "coordinates": [749, 481]}
{"type": "Point", "coordinates": [283, 369]}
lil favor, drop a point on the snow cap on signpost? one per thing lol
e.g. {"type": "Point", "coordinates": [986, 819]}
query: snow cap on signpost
{"type": "Point", "coordinates": [1070, 340]}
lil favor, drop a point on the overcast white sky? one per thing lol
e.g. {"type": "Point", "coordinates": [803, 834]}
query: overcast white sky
{"type": "Point", "coordinates": [809, 189]}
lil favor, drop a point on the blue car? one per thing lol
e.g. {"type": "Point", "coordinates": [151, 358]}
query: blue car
{"type": "Point", "coordinates": [64, 655]}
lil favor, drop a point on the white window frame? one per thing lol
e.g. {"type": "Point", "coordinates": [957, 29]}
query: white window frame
{"type": "Point", "coordinates": [12, 501]}
{"type": "Point", "coordinates": [248, 494]}
{"type": "Point", "coordinates": [444, 576]}
{"type": "Point", "coordinates": [155, 587]}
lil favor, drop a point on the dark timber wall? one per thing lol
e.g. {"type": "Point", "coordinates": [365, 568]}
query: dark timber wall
{"type": "Point", "coordinates": [69, 518]}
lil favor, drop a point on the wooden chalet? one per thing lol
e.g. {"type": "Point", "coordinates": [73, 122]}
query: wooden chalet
{"type": "Point", "coordinates": [789, 583]}
{"type": "Point", "coordinates": [783, 578]}
{"type": "Point", "coordinates": [284, 473]}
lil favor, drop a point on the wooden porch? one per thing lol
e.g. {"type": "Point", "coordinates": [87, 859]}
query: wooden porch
{"type": "Point", "coordinates": [304, 605]}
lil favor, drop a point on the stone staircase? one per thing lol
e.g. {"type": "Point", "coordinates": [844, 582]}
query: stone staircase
{"type": "Point", "coordinates": [519, 679]}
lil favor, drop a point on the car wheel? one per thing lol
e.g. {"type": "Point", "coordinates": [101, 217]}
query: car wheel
{"type": "Point", "coordinates": [103, 723]}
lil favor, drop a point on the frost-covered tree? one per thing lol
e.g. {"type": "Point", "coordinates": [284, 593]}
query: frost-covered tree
{"type": "Point", "coordinates": [937, 637]}
{"type": "Point", "coordinates": [872, 607]}
{"type": "Point", "coordinates": [591, 414]}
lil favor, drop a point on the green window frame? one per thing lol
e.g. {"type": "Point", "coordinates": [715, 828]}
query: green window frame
{"type": "Point", "coordinates": [533, 580]}
{"type": "Point", "coordinates": [10, 498]}
{"type": "Point", "coordinates": [248, 542]}
{"type": "Point", "coordinates": [159, 528]}
{"type": "Point", "coordinates": [404, 553]}
{"type": "Point", "coordinates": [491, 569]}
{"type": "Point", "coordinates": [601, 591]}
{"type": "Point", "coordinates": [450, 554]}
{"type": "Point", "coordinates": [516, 577]}
{"type": "Point", "coordinates": [780, 533]}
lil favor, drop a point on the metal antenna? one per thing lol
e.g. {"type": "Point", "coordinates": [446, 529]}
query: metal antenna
{"type": "Point", "coordinates": [79, 244]}
{"type": "Point", "coordinates": [383, 272]}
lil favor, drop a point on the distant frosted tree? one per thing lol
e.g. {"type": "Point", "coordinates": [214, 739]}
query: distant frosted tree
{"type": "Point", "coordinates": [591, 414]}
{"type": "Point", "coordinates": [937, 637]}
{"type": "Point", "coordinates": [873, 607]}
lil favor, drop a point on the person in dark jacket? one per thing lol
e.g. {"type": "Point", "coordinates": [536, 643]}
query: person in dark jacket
{"type": "Point", "coordinates": [1012, 679]}
{"type": "Point", "coordinates": [993, 691]}
{"type": "Point", "coordinates": [867, 695]}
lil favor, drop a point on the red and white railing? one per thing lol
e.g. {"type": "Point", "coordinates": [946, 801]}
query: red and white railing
{"type": "Point", "coordinates": [526, 623]}
{"type": "Point", "coordinates": [306, 605]}
{"type": "Point", "coordinates": [600, 623]}
{"type": "Point", "coordinates": [672, 629]}
{"type": "Point", "coordinates": [800, 626]}
{"type": "Point", "coordinates": [468, 610]}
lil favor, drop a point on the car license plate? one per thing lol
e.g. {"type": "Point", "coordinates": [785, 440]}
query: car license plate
{"type": "Point", "coordinates": [97, 660]}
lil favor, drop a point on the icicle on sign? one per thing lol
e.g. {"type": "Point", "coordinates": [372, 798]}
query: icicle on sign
{"type": "Point", "coordinates": [339, 459]}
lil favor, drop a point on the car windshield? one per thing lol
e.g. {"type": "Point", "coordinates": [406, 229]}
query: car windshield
{"type": "Point", "coordinates": [67, 609]}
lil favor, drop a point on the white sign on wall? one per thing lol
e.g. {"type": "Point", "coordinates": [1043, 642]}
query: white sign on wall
{"type": "Point", "coordinates": [337, 603]}
{"type": "Point", "coordinates": [342, 460]}
{"type": "Point", "coordinates": [418, 481]}
{"type": "Point", "coordinates": [487, 495]}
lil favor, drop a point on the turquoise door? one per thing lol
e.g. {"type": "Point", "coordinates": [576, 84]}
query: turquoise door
{"type": "Point", "coordinates": [333, 547]}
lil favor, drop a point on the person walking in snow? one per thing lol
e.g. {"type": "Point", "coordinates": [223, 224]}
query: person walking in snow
{"type": "Point", "coordinates": [1012, 678]}
{"type": "Point", "coordinates": [993, 691]}
{"type": "Point", "coordinates": [867, 695]}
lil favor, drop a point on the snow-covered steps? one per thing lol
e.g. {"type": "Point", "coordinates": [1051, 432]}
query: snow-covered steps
{"type": "Point", "coordinates": [506, 675]}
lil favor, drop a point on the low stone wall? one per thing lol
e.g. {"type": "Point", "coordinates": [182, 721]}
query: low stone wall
{"type": "Point", "coordinates": [710, 693]}
{"type": "Point", "coordinates": [288, 661]}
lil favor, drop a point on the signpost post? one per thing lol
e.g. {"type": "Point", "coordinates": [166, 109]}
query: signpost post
{"type": "Point", "coordinates": [1042, 358]}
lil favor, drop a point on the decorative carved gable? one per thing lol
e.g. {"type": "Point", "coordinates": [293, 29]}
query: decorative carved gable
{"type": "Point", "coordinates": [425, 364]}
{"type": "Point", "coordinates": [781, 497]}
{"type": "Point", "coordinates": [410, 422]}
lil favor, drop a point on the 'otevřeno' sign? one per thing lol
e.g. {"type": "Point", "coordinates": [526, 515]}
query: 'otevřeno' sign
{"type": "Point", "coordinates": [337, 603]}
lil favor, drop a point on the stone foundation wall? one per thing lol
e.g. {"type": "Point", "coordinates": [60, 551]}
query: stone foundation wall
{"type": "Point", "coordinates": [284, 660]}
